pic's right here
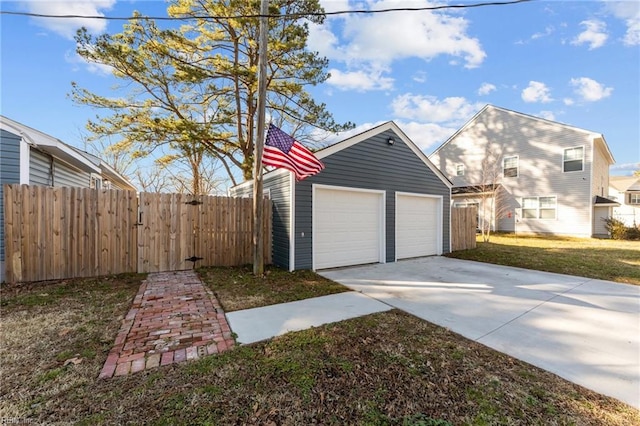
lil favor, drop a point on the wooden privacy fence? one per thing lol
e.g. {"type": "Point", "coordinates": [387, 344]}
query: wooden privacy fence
{"type": "Point", "coordinates": [55, 233]}
{"type": "Point", "coordinates": [463, 227]}
{"type": "Point", "coordinates": [212, 231]}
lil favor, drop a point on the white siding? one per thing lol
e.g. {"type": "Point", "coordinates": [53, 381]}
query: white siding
{"type": "Point", "coordinates": [627, 213]}
{"type": "Point", "coordinates": [600, 180]}
{"type": "Point", "coordinates": [539, 145]}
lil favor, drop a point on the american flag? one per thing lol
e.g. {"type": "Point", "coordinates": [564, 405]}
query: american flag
{"type": "Point", "coordinates": [281, 150]}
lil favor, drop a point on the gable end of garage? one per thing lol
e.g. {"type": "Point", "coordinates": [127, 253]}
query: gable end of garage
{"type": "Point", "coordinates": [372, 164]}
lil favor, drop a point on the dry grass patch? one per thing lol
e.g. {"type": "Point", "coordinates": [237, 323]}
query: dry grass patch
{"type": "Point", "coordinates": [611, 260]}
{"type": "Point", "coordinates": [383, 369]}
{"type": "Point", "coordinates": [237, 288]}
{"type": "Point", "coordinates": [55, 337]}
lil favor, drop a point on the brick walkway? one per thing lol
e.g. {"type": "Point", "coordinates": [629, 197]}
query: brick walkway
{"type": "Point", "coordinates": [174, 318]}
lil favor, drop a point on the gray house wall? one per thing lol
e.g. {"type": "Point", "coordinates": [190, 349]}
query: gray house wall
{"type": "Point", "coordinates": [49, 171]}
{"type": "Point", "coordinates": [9, 174]}
{"type": "Point", "coordinates": [279, 187]}
{"type": "Point", "coordinates": [539, 145]}
{"type": "Point", "coordinates": [370, 164]}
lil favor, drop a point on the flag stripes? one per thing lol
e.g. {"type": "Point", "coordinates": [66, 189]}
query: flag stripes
{"type": "Point", "coordinates": [281, 150]}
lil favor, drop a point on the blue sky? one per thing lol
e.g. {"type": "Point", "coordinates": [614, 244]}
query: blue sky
{"type": "Point", "coordinates": [575, 62]}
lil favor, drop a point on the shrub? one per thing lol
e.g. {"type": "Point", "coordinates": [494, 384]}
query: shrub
{"type": "Point", "coordinates": [619, 231]}
{"type": "Point", "coordinates": [633, 233]}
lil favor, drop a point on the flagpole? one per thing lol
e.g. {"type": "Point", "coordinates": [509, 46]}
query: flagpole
{"type": "Point", "coordinates": [258, 231]}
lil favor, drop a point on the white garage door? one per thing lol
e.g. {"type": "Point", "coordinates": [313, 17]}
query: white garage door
{"type": "Point", "coordinates": [418, 227]}
{"type": "Point", "coordinates": [347, 227]}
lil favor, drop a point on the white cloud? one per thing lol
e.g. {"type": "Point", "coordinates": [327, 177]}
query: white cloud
{"type": "Point", "coordinates": [595, 34]}
{"type": "Point", "coordinates": [360, 81]}
{"type": "Point", "coordinates": [427, 120]}
{"type": "Point", "coordinates": [322, 40]}
{"type": "Point", "coordinates": [486, 88]}
{"type": "Point", "coordinates": [568, 101]}
{"type": "Point", "coordinates": [76, 60]}
{"type": "Point", "coordinates": [67, 27]}
{"type": "Point", "coordinates": [335, 5]}
{"type": "Point", "coordinates": [420, 77]}
{"type": "Point", "coordinates": [547, 115]}
{"type": "Point", "coordinates": [625, 168]}
{"type": "Point", "coordinates": [547, 32]}
{"type": "Point", "coordinates": [430, 109]}
{"type": "Point", "coordinates": [629, 12]}
{"type": "Point", "coordinates": [375, 41]}
{"type": "Point", "coordinates": [590, 90]}
{"type": "Point", "coordinates": [427, 136]}
{"type": "Point", "coordinates": [549, 29]}
{"type": "Point", "coordinates": [536, 92]}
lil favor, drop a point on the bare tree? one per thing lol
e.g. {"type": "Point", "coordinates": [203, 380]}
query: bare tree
{"type": "Point", "coordinates": [120, 159]}
{"type": "Point", "coordinates": [493, 196]}
{"type": "Point", "coordinates": [154, 179]}
{"type": "Point", "coordinates": [175, 175]}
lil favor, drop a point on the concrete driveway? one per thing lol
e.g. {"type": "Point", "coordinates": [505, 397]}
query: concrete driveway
{"type": "Point", "coordinates": [585, 330]}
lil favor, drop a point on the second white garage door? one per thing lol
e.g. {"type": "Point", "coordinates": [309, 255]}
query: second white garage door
{"type": "Point", "coordinates": [348, 226]}
{"type": "Point", "coordinates": [418, 225]}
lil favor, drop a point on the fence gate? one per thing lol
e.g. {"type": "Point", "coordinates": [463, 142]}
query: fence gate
{"type": "Point", "coordinates": [463, 227]}
{"type": "Point", "coordinates": [178, 231]}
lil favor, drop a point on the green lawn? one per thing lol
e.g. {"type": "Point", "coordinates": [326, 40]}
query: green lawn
{"type": "Point", "coordinates": [237, 288]}
{"type": "Point", "coordinates": [612, 260]}
{"type": "Point", "coordinates": [389, 368]}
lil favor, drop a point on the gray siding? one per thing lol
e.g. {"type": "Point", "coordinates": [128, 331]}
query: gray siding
{"type": "Point", "coordinates": [370, 164]}
{"type": "Point", "coordinates": [279, 188]}
{"type": "Point", "coordinates": [539, 145]}
{"type": "Point", "coordinates": [48, 171]}
{"type": "Point", "coordinates": [9, 173]}
{"type": "Point", "coordinates": [280, 192]}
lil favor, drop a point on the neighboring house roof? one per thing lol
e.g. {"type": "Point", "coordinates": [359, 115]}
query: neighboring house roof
{"type": "Point", "coordinates": [360, 137]}
{"type": "Point", "coordinates": [49, 144]}
{"type": "Point", "coordinates": [597, 137]}
{"type": "Point", "coordinates": [56, 148]}
{"type": "Point", "coordinates": [605, 202]}
{"type": "Point", "coordinates": [474, 189]}
{"type": "Point", "coordinates": [108, 172]}
{"type": "Point", "coordinates": [625, 183]}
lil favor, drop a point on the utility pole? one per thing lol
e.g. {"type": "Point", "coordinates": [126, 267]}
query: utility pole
{"type": "Point", "coordinates": [258, 202]}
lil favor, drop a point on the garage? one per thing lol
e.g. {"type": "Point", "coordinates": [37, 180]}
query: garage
{"type": "Point", "coordinates": [348, 226]}
{"type": "Point", "coordinates": [378, 199]}
{"type": "Point", "coordinates": [418, 220]}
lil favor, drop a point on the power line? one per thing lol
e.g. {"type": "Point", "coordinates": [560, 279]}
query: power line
{"type": "Point", "coordinates": [290, 15]}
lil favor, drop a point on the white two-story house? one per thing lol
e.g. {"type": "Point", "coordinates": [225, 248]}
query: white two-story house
{"type": "Point", "coordinates": [538, 176]}
{"type": "Point", "coordinates": [626, 191]}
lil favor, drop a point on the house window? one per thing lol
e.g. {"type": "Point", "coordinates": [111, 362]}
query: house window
{"type": "Point", "coordinates": [510, 166]}
{"type": "Point", "coordinates": [634, 198]}
{"type": "Point", "coordinates": [573, 159]}
{"type": "Point", "coordinates": [460, 170]}
{"type": "Point", "coordinates": [94, 181]}
{"type": "Point", "coordinates": [539, 207]}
